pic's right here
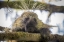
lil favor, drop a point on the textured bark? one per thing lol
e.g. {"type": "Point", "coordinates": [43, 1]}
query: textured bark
{"type": "Point", "coordinates": [20, 36]}
{"type": "Point", "coordinates": [24, 36]}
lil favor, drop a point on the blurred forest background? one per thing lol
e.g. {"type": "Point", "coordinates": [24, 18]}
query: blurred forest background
{"type": "Point", "coordinates": [52, 14]}
{"type": "Point", "coordinates": [11, 9]}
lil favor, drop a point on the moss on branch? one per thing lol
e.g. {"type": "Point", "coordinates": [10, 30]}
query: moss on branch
{"type": "Point", "coordinates": [25, 36]}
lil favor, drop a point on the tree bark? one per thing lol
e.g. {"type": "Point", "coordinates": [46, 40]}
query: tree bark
{"type": "Point", "coordinates": [47, 7]}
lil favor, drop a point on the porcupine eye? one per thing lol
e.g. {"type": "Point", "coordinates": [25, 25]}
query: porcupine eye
{"type": "Point", "coordinates": [26, 19]}
{"type": "Point", "coordinates": [34, 19]}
